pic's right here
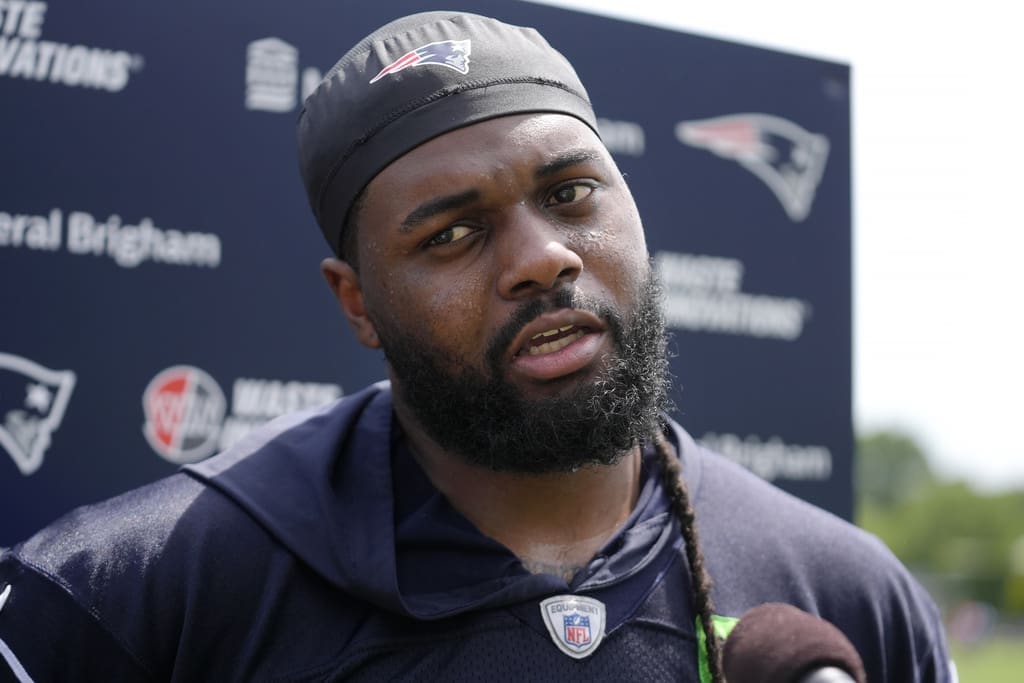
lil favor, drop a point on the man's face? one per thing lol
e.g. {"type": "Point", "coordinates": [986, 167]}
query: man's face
{"type": "Point", "coordinates": [504, 270]}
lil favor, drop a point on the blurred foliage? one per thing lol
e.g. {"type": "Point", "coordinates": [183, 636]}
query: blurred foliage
{"type": "Point", "coordinates": [891, 468]}
{"type": "Point", "coordinates": [996, 661]}
{"type": "Point", "coordinates": [971, 543]}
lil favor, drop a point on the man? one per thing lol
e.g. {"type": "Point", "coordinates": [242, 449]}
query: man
{"type": "Point", "coordinates": [513, 505]}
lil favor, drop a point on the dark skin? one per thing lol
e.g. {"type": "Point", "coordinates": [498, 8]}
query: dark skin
{"type": "Point", "coordinates": [452, 238]}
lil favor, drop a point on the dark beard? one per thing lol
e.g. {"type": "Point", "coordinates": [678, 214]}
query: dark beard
{"type": "Point", "coordinates": [487, 422]}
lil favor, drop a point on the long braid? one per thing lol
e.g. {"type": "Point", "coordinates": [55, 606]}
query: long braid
{"type": "Point", "coordinates": [679, 499]}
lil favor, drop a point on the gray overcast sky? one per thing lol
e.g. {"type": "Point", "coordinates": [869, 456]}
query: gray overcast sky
{"type": "Point", "coordinates": [938, 119]}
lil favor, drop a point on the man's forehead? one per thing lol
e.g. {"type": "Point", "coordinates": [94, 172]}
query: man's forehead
{"type": "Point", "coordinates": [535, 143]}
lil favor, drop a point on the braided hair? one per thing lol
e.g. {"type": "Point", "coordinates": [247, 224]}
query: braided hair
{"type": "Point", "coordinates": [679, 500]}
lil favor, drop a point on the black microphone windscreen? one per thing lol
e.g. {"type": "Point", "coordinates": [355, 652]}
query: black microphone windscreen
{"type": "Point", "coordinates": [778, 643]}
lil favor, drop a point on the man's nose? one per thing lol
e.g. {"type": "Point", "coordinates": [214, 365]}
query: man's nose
{"type": "Point", "coordinates": [535, 256]}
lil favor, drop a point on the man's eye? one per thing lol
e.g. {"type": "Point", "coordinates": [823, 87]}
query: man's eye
{"type": "Point", "coordinates": [567, 194]}
{"type": "Point", "coordinates": [449, 235]}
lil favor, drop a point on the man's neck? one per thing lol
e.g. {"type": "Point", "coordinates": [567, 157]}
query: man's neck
{"type": "Point", "coordinates": [554, 523]}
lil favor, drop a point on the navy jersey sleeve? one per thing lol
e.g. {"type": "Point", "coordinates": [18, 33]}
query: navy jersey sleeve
{"type": "Point", "coordinates": [45, 635]}
{"type": "Point", "coordinates": [131, 588]}
{"type": "Point", "coordinates": [171, 582]}
{"type": "Point", "coordinates": [92, 597]}
{"type": "Point", "coordinates": [764, 545]}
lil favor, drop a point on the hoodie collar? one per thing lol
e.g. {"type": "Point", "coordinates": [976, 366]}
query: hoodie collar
{"type": "Point", "coordinates": [339, 488]}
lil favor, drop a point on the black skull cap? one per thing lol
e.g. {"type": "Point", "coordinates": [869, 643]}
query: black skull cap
{"type": "Point", "coordinates": [412, 80]}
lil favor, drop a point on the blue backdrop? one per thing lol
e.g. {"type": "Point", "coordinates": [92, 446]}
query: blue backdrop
{"type": "Point", "coordinates": [159, 263]}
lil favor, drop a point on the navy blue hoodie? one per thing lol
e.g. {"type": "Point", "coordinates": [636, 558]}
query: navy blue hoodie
{"type": "Point", "coordinates": [316, 549]}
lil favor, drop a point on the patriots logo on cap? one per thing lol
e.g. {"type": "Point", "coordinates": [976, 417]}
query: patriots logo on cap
{"type": "Point", "coordinates": [32, 403]}
{"type": "Point", "coordinates": [453, 54]}
{"type": "Point", "coordinates": [789, 159]}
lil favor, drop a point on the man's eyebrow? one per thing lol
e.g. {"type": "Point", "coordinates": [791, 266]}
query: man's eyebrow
{"type": "Point", "coordinates": [433, 207]}
{"type": "Point", "coordinates": [567, 159]}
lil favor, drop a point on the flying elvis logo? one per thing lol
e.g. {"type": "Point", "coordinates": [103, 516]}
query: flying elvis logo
{"type": "Point", "coordinates": [787, 158]}
{"type": "Point", "coordinates": [32, 404]}
{"type": "Point", "coordinates": [453, 54]}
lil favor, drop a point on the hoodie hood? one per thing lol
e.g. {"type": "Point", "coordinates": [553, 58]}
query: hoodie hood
{"type": "Point", "coordinates": [338, 487]}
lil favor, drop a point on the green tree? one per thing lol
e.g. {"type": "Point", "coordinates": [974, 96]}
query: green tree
{"type": "Point", "coordinates": [890, 468]}
{"type": "Point", "coordinates": [970, 541]}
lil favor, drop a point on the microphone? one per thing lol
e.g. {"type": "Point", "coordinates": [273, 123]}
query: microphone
{"type": "Point", "coordinates": [778, 643]}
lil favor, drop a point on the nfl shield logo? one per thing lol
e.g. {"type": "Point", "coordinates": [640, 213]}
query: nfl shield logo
{"type": "Point", "coordinates": [577, 630]}
{"type": "Point", "coordinates": [575, 623]}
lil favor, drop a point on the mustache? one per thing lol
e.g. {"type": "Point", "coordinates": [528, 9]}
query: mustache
{"type": "Point", "coordinates": [564, 297]}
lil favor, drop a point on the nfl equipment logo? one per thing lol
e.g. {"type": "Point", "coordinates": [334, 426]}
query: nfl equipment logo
{"type": "Point", "coordinates": [575, 623]}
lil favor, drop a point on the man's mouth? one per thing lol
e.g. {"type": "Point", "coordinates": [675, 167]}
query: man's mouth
{"type": "Point", "coordinates": [557, 344]}
{"type": "Point", "coordinates": [553, 340]}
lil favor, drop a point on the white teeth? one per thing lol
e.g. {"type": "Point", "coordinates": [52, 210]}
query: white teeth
{"type": "Point", "coordinates": [550, 333]}
{"type": "Point", "coordinates": [553, 346]}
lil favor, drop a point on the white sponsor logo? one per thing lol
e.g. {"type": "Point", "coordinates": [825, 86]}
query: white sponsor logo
{"type": "Point", "coordinates": [773, 459]}
{"type": "Point", "coordinates": [787, 158]}
{"type": "Point", "coordinates": [703, 294]}
{"type": "Point", "coordinates": [185, 410]}
{"type": "Point", "coordinates": [622, 137]}
{"type": "Point", "coordinates": [32, 400]}
{"type": "Point", "coordinates": [575, 623]}
{"type": "Point", "coordinates": [272, 76]}
{"type": "Point", "coordinates": [129, 245]}
{"type": "Point", "coordinates": [24, 55]}
{"type": "Point", "coordinates": [255, 401]}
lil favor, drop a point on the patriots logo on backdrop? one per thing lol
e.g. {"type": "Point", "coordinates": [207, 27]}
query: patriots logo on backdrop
{"type": "Point", "coordinates": [32, 404]}
{"type": "Point", "coordinates": [787, 158]}
{"type": "Point", "coordinates": [453, 54]}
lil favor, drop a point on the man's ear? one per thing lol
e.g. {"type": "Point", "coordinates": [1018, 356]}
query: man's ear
{"type": "Point", "coordinates": [344, 282]}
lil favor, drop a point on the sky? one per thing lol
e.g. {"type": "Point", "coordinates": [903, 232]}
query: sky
{"type": "Point", "coordinates": [938, 142]}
